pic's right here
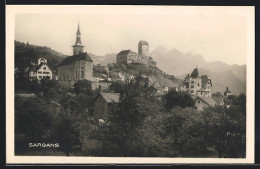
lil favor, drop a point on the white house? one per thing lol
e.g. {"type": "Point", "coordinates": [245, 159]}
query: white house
{"type": "Point", "coordinates": [41, 70]}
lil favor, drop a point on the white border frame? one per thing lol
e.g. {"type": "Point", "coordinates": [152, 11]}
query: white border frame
{"type": "Point", "coordinates": [11, 10]}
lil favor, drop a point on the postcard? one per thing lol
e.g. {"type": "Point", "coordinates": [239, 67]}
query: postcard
{"type": "Point", "coordinates": [130, 84]}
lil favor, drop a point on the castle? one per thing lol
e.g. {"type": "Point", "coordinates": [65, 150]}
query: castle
{"type": "Point", "coordinates": [79, 66]}
{"type": "Point", "coordinates": [129, 56]}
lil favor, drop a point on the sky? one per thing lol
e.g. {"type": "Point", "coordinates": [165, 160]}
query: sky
{"type": "Point", "coordinates": [216, 33]}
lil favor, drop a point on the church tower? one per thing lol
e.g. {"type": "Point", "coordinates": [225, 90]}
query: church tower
{"type": "Point", "coordinates": [78, 47]}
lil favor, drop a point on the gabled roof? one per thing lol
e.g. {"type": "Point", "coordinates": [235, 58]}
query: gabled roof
{"type": "Point", "coordinates": [124, 52]}
{"type": "Point", "coordinates": [143, 42]}
{"type": "Point", "coordinates": [195, 73]}
{"type": "Point", "coordinates": [36, 68]}
{"type": "Point", "coordinates": [208, 100]}
{"type": "Point", "coordinates": [70, 59]}
{"type": "Point", "coordinates": [110, 97]}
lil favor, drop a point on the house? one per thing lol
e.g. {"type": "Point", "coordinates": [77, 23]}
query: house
{"type": "Point", "coordinates": [202, 102]}
{"type": "Point", "coordinates": [105, 103]}
{"type": "Point", "coordinates": [79, 66]}
{"type": "Point", "coordinates": [197, 85]}
{"type": "Point", "coordinates": [41, 70]}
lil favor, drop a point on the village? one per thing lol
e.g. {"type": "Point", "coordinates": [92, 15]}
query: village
{"type": "Point", "coordinates": [127, 108]}
{"type": "Point", "coordinates": [79, 66]}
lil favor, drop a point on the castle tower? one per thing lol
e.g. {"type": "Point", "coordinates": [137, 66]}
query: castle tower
{"type": "Point", "coordinates": [143, 49]}
{"type": "Point", "coordinates": [78, 47]}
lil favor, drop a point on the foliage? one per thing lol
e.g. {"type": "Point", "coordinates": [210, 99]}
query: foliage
{"type": "Point", "coordinates": [33, 119]}
{"type": "Point", "coordinates": [65, 133]}
{"type": "Point", "coordinates": [226, 130]}
{"type": "Point", "coordinates": [122, 134]}
{"type": "Point", "coordinates": [174, 98]}
{"type": "Point", "coordinates": [49, 88]}
{"type": "Point", "coordinates": [83, 86]}
{"type": "Point", "coordinates": [184, 133]}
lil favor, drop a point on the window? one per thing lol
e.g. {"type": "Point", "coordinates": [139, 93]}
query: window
{"type": "Point", "coordinates": [199, 84]}
{"type": "Point", "coordinates": [81, 75]}
{"type": "Point", "coordinates": [187, 85]}
{"type": "Point", "coordinates": [44, 68]}
{"type": "Point", "coordinates": [192, 82]}
{"type": "Point", "coordinates": [47, 72]}
{"type": "Point", "coordinates": [192, 86]}
{"type": "Point", "coordinates": [82, 67]}
{"type": "Point", "coordinates": [39, 72]}
{"type": "Point", "coordinates": [192, 91]}
{"type": "Point", "coordinates": [40, 77]}
{"type": "Point", "coordinates": [43, 72]}
{"type": "Point", "coordinates": [198, 101]}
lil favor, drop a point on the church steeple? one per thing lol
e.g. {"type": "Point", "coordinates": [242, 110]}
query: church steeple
{"type": "Point", "coordinates": [78, 47]}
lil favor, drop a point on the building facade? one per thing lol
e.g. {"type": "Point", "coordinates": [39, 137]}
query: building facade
{"type": "Point", "coordinates": [79, 66]}
{"type": "Point", "coordinates": [197, 85]}
{"type": "Point", "coordinates": [41, 70]}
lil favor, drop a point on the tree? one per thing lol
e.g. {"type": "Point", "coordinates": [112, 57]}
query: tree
{"type": "Point", "coordinates": [226, 130]}
{"type": "Point", "coordinates": [121, 134]}
{"type": "Point", "coordinates": [174, 99]}
{"type": "Point", "coordinates": [66, 128]}
{"type": "Point", "coordinates": [83, 86]}
{"type": "Point", "coordinates": [33, 119]}
{"type": "Point", "coordinates": [184, 133]}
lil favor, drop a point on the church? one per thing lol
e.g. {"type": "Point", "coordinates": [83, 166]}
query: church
{"type": "Point", "coordinates": [79, 66]}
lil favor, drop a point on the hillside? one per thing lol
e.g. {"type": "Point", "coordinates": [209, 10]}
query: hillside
{"type": "Point", "coordinates": [174, 61]}
{"type": "Point", "coordinates": [157, 77]}
{"type": "Point", "coordinates": [26, 55]}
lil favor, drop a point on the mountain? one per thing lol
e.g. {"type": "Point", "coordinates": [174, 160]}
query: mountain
{"type": "Point", "coordinates": [220, 80]}
{"type": "Point", "coordinates": [103, 60]}
{"type": "Point", "coordinates": [222, 74]}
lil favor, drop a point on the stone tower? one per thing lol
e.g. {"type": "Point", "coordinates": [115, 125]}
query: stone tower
{"type": "Point", "coordinates": [78, 47]}
{"type": "Point", "coordinates": [143, 49]}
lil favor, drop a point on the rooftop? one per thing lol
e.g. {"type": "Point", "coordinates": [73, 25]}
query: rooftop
{"type": "Point", "coordinates": [124, 52]}
{"type": "Point", "coordinates": [110, 97]}
{"type": "Point", "coordinates": [143, 42]}
{"type": "Point", "coordinates": [70, 59]}
{"type": "Point", "coordinates": [208, 100]}
{"type": "Point", "coordinates": [195, 73]}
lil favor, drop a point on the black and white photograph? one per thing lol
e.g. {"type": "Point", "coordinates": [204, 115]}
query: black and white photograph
{"type": "Point", "coordinates": [130, 84]}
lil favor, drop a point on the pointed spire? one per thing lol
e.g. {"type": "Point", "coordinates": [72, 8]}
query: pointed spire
{"type": "Point", "coordinates": [78, 31]}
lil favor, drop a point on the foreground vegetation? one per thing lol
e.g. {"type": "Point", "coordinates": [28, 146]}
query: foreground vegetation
{"type": "Point", "coordinates": [144, 124]}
